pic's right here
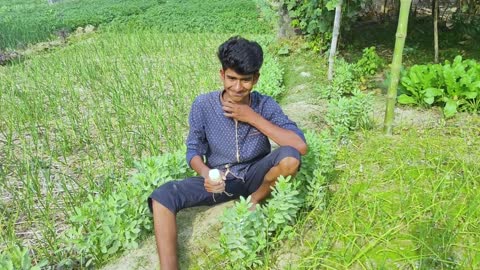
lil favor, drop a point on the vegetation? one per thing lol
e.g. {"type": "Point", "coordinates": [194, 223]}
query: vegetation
{"type": "Point", "coordinates": [46, 20]}
{"type": "Point", "coordinates": [454, 86]}
{"type": "Point", "coordinates": [89, 129]}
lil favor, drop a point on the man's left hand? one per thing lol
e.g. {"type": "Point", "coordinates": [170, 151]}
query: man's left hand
{"type": "Point", "coordinates": [239, 112]}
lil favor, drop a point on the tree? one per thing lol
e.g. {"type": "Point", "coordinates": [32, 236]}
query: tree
{"type": "Point", "coordinates": [396, 64]}
{"type": "Point", "coordinates": [435, 9]}
{"type": "Point", "coordinates": [336, 32]}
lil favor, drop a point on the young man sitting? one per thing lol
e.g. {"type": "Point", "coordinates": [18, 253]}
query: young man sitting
{"type": "Point", "coordinates": [229, 131]}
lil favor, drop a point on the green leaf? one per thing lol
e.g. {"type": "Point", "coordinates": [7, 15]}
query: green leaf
{"type": "Point", "coordinates": [433, 92]}
{"type": "Point", "coordinates": [404, 99]}
{"type": "Point", "coordinates": [450, 108]}
{"type": "Point", "coordinates": [429, 100]}
{"type": "Point", "coordinates": [470, 95]}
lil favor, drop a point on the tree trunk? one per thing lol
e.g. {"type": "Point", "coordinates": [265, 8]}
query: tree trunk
{"type": "Point", "coordinates": [336, 32]}
{"type": "Point", "coordinates": [396, 65]}
{"type": "Point", "coordinates": [435, 8]}
{"type": "Point", "coordinates": [285, 29]}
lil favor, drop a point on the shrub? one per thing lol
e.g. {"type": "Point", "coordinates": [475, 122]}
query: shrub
{"type": "Point", "coordinates": [350, 113]}
{"type": "Point", "coordinates": [116, 220]}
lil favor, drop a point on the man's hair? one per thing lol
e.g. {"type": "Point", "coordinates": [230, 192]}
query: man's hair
{"type": "Point", "coordinates": [243, 56]}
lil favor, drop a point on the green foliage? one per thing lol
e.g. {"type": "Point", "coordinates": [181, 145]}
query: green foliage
{"type": "Point", "coordinates": [454, 86]}
{"type": "Point", "coordinates": [245, 235]}
{"type": "Point", "coordinates": [18, 258]}
{"type": "Point", "coordinates": [314, 18]}
{"type": "Point", "coordinates": [269, 12]}
{"type": "Point", "coordinates": [271, 78]}
{"type": "Point", "coordinates": [214, 16]}
{"type": "Point", "coordinates": [317, 164]}
{"type": "Point", "coordinates": [369, 63]}
{"type": "Point", "coordinates": [350, 113]}
{"type": "Point", "coordinates": [115, 221]}
{"type": "Point", "coordinates": [43, 19]}
{"type": "Point", "coordinates": [345, 81]}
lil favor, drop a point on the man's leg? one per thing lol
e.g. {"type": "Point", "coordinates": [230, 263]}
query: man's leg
{"type": "Point", "coordinates": [288, 165]}
{"type": "Point", "coordinates": [165, 226]}
{"type": "Point", "coordinates": [165, 202]}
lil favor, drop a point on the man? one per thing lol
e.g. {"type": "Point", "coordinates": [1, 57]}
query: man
{"type": "Point", "coordinates": [229, 131]}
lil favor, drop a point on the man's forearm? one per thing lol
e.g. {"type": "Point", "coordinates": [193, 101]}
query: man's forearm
{"type": "Point", "coordinates": [279, 135]}
{"type": "Point", "coordinates": [199, 166]}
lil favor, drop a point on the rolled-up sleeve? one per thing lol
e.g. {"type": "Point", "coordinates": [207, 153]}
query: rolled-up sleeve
{"type": "Point", "coordinates": [275, 114]}
{"type": "Point", "coordinates": [196, 140]}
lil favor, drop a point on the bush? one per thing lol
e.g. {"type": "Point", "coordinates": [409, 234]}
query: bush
{"type": "Point", "coordinates": [350, 113]}
{"type": "Point", "coordinates": [116, 220]}
{"type": "Point", "coordinates": [345, 81]}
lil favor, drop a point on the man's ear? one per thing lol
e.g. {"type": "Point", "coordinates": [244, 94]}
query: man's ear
{"type": "Point", "coordinates": [222, 74]}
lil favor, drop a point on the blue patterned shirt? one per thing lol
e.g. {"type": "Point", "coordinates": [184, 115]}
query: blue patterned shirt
{"type": "Point", "coordinates": [228, 144]}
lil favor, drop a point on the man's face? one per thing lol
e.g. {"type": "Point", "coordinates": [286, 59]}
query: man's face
{"type": "Point", "coordinates": [237, 87]}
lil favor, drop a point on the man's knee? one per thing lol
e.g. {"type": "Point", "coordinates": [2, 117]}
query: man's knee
{"type": "Point", "coordinates": [165, 196]}
{"type": "Point", "coordinates": [289, 165]}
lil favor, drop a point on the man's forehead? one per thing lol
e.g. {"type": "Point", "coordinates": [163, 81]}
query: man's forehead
{"type": "Point", "coordinates": [231, 73]}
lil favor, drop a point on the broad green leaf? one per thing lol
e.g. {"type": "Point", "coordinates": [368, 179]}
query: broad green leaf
{"type": "Point", "coordinates": [429, 100]}
{"type": "Point", "coordinates": [433, 92]}
{"type": "Point", "coordinates": [470, 95]}
{"type": "Point", "coordinates": [404, 99]}
{"type": "Point", "coordinates": [450, 108]}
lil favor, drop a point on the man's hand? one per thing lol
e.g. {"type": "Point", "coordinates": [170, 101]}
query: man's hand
{"type": "Point", "coordinates": [239, 112]}
{"type": "Point", "coordinates": [213, 186]}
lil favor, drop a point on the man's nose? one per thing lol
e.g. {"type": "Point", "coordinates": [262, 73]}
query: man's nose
{"type": "Point", "coordinates": [237, 86]}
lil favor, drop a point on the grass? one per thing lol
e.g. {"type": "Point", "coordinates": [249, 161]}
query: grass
{"type": "Point", "coordinates": [74, 121]}
{"type": "Point", "coordinates": [406, 201]}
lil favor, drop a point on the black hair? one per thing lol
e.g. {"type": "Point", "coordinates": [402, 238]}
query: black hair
{"type": "Point", "coordinates": [243, 56]}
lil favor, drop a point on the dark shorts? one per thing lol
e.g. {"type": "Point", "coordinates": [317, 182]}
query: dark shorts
{"type": "Point", "coordinates": [189, 192]}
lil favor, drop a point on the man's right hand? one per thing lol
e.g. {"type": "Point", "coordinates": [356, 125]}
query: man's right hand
{"type": "Point", "coordinates": [214, 186]}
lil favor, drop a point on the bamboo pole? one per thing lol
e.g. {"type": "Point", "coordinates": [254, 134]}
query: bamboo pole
{"type": "Point", "coordinates": [396, 64]}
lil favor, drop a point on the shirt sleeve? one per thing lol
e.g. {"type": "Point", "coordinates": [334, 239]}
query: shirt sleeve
{"type": "Point", "coordinates": [196, 140]}
{"type": "Point", "coordinates": [275, 114]}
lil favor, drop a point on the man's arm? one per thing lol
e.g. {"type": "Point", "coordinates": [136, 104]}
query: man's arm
{"type": "Point", "coordinates": [279, 135]}
{"type": "Point", "coordinates": [197, 147]}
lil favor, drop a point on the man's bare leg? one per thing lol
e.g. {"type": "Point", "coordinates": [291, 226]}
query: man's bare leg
{"type": "Point", "coordinates": [165, 226]}
{"type": "Point", "coordinates": [287, 166]}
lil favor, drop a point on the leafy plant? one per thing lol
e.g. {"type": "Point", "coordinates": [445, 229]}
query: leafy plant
{"type": "Point", "coordinates": [350, 113]}
{"type": "Point", "coordinates": [245, 234]}
{"type": "Point", "coordinates": [345, 81]}
{"type": "Point", "coordinates": [271, 79]}
{"type": "Point", "coordinates": [454, 86]}
{"type": "Point", "coordinates": [115, 221]}
{"type": "Point", "coordinates": [369, 63]}
{"type": "Point", "coordinates": [18, 258]}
